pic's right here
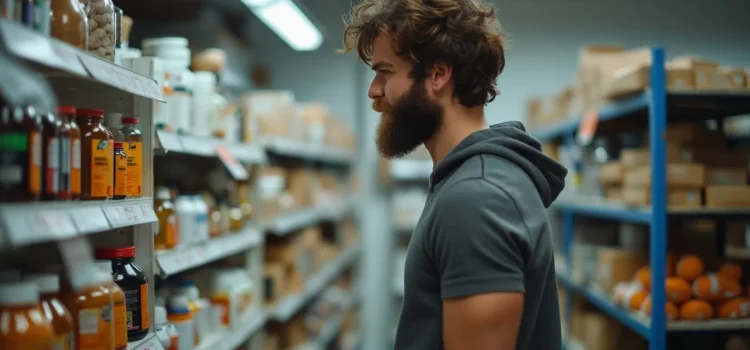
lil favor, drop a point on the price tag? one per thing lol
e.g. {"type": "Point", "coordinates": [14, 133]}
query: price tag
{"type": "Point", "coordinates": [119, 77]}
{"type": "Point", "coordinates": [28, 44]}
{"type": "Point", "coordinates": [198, 146]}
{"type": "Point", "coordinates": [236, 169]}
{"type": "Point", "coordinates": [248, 154]}
{"type": "Point", "coordinates": [76, 253]}
{"type": "Point", "coordinates": [68, 56]}
{"type": "Point", "coordinates": [25, 225]}
{"type": "Point", "coordinates": [587, 127]}
{"type": "Point", "coordinates": [90, 219]}
{"type": "Point", "coordinates": [150, 343]}
{"type": "Point", "coordinates": [169, 142]}
{"type": "Point", "coordinates": [147, 212]}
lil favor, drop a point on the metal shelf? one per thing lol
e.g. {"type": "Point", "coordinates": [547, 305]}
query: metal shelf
{"type": "Point", "coordinates": [35, 222]}
{"type": "Point", "coordinates": [288, 307]}
{"type": "Point", "coordinates": [306, 151]}
{"type": "Point", "coordinates": [232, 339]}
{"type": "Point", "coordinates": [150, 342]}
{"type": "Point", "coordinates": [291, 222]}
{"type": "Point", "coordinates": [206, 147]}
{"type": "Point", "coordinates": [185, 258]}
{"type": "Point", "coordinates": [57, 58]}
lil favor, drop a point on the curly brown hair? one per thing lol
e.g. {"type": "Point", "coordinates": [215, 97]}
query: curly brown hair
{"type": "Point", "coordinates": [462, 33]}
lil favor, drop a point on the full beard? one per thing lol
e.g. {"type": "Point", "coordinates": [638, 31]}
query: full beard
{"type": "Point", "coordinates": [408, 123]}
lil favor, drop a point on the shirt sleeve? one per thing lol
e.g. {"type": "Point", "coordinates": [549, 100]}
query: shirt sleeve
{"type": "Point", "coordinates": [480, 240]}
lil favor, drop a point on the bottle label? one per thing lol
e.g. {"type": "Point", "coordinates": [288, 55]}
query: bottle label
{"type": "Point", "coordinates": [65, 341]}
{"type": "Point", "coordinates": [35, 163]}
{"type": "Point", "coordinates": [171, 230]}
{"type": "Point", "coordinates": [52, 172]}
{"type": "Point", "coordinates": [94, 328]}
{"type": "Point", "coordinates": [75, 166]}
{"type": "Point", "coordinates": [136, 302]}
{"type": "Point", "coordinates": [121, 325]}
{"type": "Point", "coordinates": [65, 166]}
{"type": "Point", "coordinates": [121, 172]}
{"type": "Point", "coordinates": [134, 150]}
{"type": "Point", "coordinates": [14, 146]}
{"type": "Point", "coordinates": [102, 169]}
{"type": "Point", "coordinates": [222, 303]}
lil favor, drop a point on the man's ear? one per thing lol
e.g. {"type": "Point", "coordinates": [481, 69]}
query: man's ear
{"type": "Point", "coordinates": [440, 76]}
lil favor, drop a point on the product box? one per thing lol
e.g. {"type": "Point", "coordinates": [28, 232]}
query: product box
{"type": "Point", "coordinates": [298, 184]}
{"type": "Point", "coordinates": [282, 251]}
{"type": "Point", "coordinates": [726, 176]}
{"type": "Point", "coordinates": [267, 113]}
{"type": "Point", "coordinates": [271, 341]}
{"type": "Point", "coordinates": [611, 173]}
{"type": "Point", "coordinates": [713, 156]}
{"type": "Point", "coordinates": [311, 122]}
{"type": "Point", "coordinates": [616, 265]}
{"type": "Point", "coordinates": [728, 196]}
{"type": "Point", "coordinates": [676, 197]}
{"type": "Point", "coordinates": [636, 77]}
{"type": "Point", "coordinates": [685, 175]}
{"type": "Point", "coordinates": [274, 279]}
{"type": "Point", "coordinates": [694, 134]}
{"type": "Point", "coordinates": [614, 193]}
{"type": "Point", "coordinates": [324, 254]}
{"type": "Point", "coordinates": [731, 78]}
{"type": "Point", "coordinates": [602, 332]}
{"type": "Point", "coordinates": [633, 157]}
{"type": "Point", "coordinates": [706, 72]}
{"type": "Point", "coordinates": [293, 333]}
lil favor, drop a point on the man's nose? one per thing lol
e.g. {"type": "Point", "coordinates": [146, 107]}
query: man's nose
{"type": "Point", "coordinates": [376, 90]}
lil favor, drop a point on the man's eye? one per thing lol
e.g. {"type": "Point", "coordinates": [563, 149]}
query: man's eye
{"type": "Point", "coordinates": [383, 71]}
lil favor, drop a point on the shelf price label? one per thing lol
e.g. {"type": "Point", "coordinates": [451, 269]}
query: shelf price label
{"type": "Point", "coordinates": [128, 214]}
{"type": "Point", "coordinates": [90, 219]}
{"type": "Point", "coordinates": [119, 77]}
{"type": "Point", "coordinates": [169, 141]}
{"type": "Point", "coordinates": [235, 168]}
{"type": "Point", "coordinates": [198, 145]}
{"type": "Point", "coordinates": [68, 55]}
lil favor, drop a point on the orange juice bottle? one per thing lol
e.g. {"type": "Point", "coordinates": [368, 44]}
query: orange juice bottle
{"type": "Point", "coordinates": [90, 302]}
{"type": "Point", "coordinates": [54, 310]}
{"type": "Point", "coordinates": [23, 323]}
{"type": "Point", "coordinates": [118, 299]}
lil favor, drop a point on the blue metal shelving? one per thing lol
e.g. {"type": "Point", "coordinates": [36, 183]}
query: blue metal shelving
{"type": "Point", "coordinates": [654, 103]}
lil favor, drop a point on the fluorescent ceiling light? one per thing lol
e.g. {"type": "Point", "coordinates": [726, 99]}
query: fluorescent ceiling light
{"type": "Point", "coordinates": [288, 22]}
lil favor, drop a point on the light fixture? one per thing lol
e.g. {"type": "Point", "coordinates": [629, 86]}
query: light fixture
{"type": "Point", "coordinates": [286, 19]}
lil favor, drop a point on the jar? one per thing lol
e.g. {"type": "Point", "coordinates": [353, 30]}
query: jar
{"type": "Point", "coordinates": [121, 171]}
{"type": "Point", "coordinates": [67, 117]}
{"type": "Point", "coordinates": [97, 155]}
{"type": "Point", "coordinates": [134, 149]}
{"type": "Point", "coordinates": [24, 324]}
{"type": "Point", "coordinates": [90, 302]}
{"type": "Point", "coordinates": [21, 147]}
{"type": "Point", "coordinates": [201, 233]}
{"type": "Point", "coordinates": [129, 276]}
{"type": "Point", "coordinates": [118, 305]}
{"type": "Point", "coordinates": [69, 23]}
{"type": "Point", "coordinates": [179, 109]}
{"type": "Point", "coordinates": [167, 237]}
{"type": "Point", "coordinates": [101, 15]}
{"type": "Point", "coordinates": [180, 316]}
{"type": "Point", "coordinates": [54, 310]}
{"type": "Point", "coordinates": [51, 132]}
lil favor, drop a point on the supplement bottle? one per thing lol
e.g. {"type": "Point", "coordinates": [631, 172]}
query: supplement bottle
{"type": "Point", "coordinates": [189, 289]}
{"type": "Point", "coordinates": [54, 310]}
{"type": "Point", "coordinates": [121, 171]}
{"type": "Point", "coordinates": [97, 155]}
{"type": "Point", "coordinates": [65, 153]}
{"type": "Point", "coordinates": [51, 134]}
{"type": "Point", "coordinates": [119, 311]}
{"type": "Point", "coordinates": [200, 208]}
{"type": "Point", "coordinates": [134, 150]}
{"type": "Point", "coordinates": [90, 303]}
{"type": "Point", "coordinates": [21, 147]}
{"type": "Point", "coordinates": [134, 283]}
{"type": "Point", "coordinates": [179, 315]}
{"type": "Point", "coordinates": [67, 116]}
{"type": "Point", "coordinates": [113, 123]}
{"type": "Point", "coordinates": [161, 326]}
{"type": "Point", "coordinates": [23, 323]}
{"type": "Point", "coordinates": [167, 237]}
{"type": "Point", "coordinates": [186, 222]}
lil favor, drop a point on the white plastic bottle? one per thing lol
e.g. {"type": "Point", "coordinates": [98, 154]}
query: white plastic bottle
{"type": "Point", "coordinates": [179, 315]}
{"type": "Point", "coordinates": [201, 218]}
{"type": "Point", "coordinates": [185, 219]}
{"type": "Point", "coordinates": [161, 326]}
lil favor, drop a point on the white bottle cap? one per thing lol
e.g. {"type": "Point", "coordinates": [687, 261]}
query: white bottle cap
{"type": "Point", "coordinates": [85, 276]}
{"type": "Point", "coordinates": [105, 265]}
{"type": "Point", "coordinates": [19, 294]}
{"type": "Point", "coordinates": [10, 276]}
{"type": "Point", "coordinates": [160, 315]}
{"type": "Point", "coordinates": [48, 283]}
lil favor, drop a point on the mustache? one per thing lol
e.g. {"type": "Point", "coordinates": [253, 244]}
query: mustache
{"type": "Point", "coordinates": [381, 106]}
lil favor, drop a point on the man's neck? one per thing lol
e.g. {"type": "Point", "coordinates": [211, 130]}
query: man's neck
{"type": "Point", "coordinates": [458, 123]}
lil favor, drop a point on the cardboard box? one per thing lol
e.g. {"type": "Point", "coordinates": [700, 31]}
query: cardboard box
{"type": "Point", "coordinates": [685, 175]}
{"type": "Point", "coordinates": [706, 72]}
{"type": "Point", "coordinates": [721, 157]}
{"type": "Point", "coordinates": [311, 237]}
{"type": "Point", "coordinates": [312, 118]}
{"type": "Point", "coordinates": [281, 251]}
{"type": "Point", "coordinates": [731, 78]}
{"type": "Point", "coordinates": [632, 157]}
{"type": "Point", "coordinates": [676, 197]}
{"type": "Point", "coordinates": [611, 173]}
{"type": "Point", "coordinates": [726, 176]}
{"type": "Point", "coordinates": [294, 333]}
{"type": "Point", "coordinates": [267, 113]}
{"type": "Point", "coordinates": [694, 134]}
{"type": "Point", "coordinates": [728, 196]}
{"type": "Point", "coordinates": [637, 77]}
{"type": "Point", "coordinates": [298, 185]}
{"type": "Point", "coordinates": [274, 282]}
{"type": "Point", "coordinates": [614, 194]}
{"type": "Point", "coordinates": [616, 265]}
{"type": "Point", "coordinates": [271, 341]}
{"type": "Point", "coordinates": [602, 332]}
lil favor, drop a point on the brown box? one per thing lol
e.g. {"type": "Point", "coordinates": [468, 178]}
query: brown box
{"type": "Point", "coordinates": [611, 173]}
{"type": "Point", "coordinates": [614, 194]}
{"type": "Point", "coordinates": [726, 176]}
{"type": "Point", "coordinates": [636, 77]}
{"type": "Point", "coordinates": [602, 332]}
{"type": "Point", "coordinates": [693, 134]}
{"type": "Point", "coordinates": [706, 72]}
{"type": "Point", "coordinates": [311, 237]}
{"type": "Point", "coordinates": [294, 333]}
{"type": "Point", "coordinates": [267, 113]}
{"type": "Point", "coordinates": [632, 157]}
{"type": "Point", "coordinates": [274, 281]}
{"type": "Point", "coordinates": [731, 78]}
{"type": "Point", "coordinates": [271, 341]}
{"type": "Point", "coordinates": [728, 196]}
{"type": "Point", "coordinates": [676, 197]}
{"type": "Point", "coordinates": [298, 184]}
{"type": "Point", "coordinates": [312, 118]}
{"type": "Point", "coordinates": [721, 157]}
{"type": "Point", "coordinates": [282, 251]}
{"type": "Point", "coordinates": [616, 265]}
{"type": "Point", "coordinates": [685, 175]}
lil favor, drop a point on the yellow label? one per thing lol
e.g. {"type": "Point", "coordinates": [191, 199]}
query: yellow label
{"type": "Point", "coordinates": [75, 166]}
{"type": "Point", "coordinates": [94, 328]}
{"type": "Point", "coordinates": [121, 326]}
{"type": "Point", "coordinates": [121, 173]}
{"type": "Point", "coordinates": [222, 302]}
{"type": "Point", "coordinates": [35, 162]}
{"type": "Point", "coordinates": [102, 168]}
{"type": "Point", "coordinates": [63, 341]}
{"type": "Point", "coordinates": [134, 150]}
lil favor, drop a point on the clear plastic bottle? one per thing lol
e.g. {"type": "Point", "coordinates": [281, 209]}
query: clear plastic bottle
{"type": "Point", "coordinates": [54, 310]}
{"type": "Point", "coordinates": [201, 218]}
{"type": "Point", "coordinates": [24, 325]}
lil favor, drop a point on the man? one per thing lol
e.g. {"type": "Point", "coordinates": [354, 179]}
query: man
{"type": "Point", "coordinates": [479, 269]}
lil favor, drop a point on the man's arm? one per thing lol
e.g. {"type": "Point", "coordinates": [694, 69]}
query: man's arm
{"type": "Point", "coordinates": [480, 243]}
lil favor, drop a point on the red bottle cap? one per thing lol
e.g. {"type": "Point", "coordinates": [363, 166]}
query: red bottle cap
{"type": "Point", "coordinates": [89, 111]}
{"type": "Point", "coordinates": [130, 120]}
{"type": "Point", "coordinates": [66, 110]}
{"type": "Point", "coordinates": [115, 253]}
{"type": "Point", "coordinates": [117, 145]}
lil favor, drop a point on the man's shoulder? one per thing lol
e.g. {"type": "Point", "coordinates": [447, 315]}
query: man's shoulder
{"type": "Point", "coordinates": [488, 174]}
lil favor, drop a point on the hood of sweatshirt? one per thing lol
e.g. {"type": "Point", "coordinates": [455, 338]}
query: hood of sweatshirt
{"type": "Point", "coordinates": [510, 141]}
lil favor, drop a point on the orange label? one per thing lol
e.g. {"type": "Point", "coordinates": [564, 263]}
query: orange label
{"type": "Point", "coordinates": [75, 166]}
{"type": "Point", "coordinates": [222, 301]}
{"type": "Point", "coordinates": [121, 172]}
{"type": "Point", "coordinates": [102, 168]}
{"type": "Point", "coordinates": [64, 341]}
{"type": "Point", "coordinates": [121, 326]}
{"type": "Point", "coordinates": [144, 306]}
{"type": "Point", "coordinates": [35, 163]}
{"type": "Point", "coordinates": [172, 231]}
{"type": "Point", "coordinates": [134, 151]}
{"type": "Point", "coordinates": [94, 328]}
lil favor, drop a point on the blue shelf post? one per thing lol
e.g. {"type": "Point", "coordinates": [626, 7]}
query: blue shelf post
{"type": "Point", "coordinates": [658, 236]}
{"type": "Point", "coordinates": [568, 236]}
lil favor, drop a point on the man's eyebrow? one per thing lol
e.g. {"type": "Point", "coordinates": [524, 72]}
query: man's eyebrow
{"type": "Point", "coordinates": [378, 65]}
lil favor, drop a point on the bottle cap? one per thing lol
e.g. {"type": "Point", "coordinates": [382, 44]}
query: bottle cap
{"type": "Point", "coordinates": [48, 283]}
{"type": "Point", "coordinates": [10, 276]}
{"type": "Point", "coordinates": [160, 315]}
{"type": "Point", "coordinates": [130, 120]}
{"type": "Point", "coordinates": [178, 304]}
{"type": "Point", "coordinates": [163, 193]}
{"type": "Point", "coordinates": [85, 276]}
{"type": "Point", "coordinates": [115, 253]}
{"type": "Point", "coordinates": [19, 293]}
{"type": "Point", "coordinates": [66, 110]}
{"type": "Point", "coordinates": [89, 111]}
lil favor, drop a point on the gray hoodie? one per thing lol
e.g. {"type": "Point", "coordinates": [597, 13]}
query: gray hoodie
{"type": "Point", "coordinates": [484, 229]}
